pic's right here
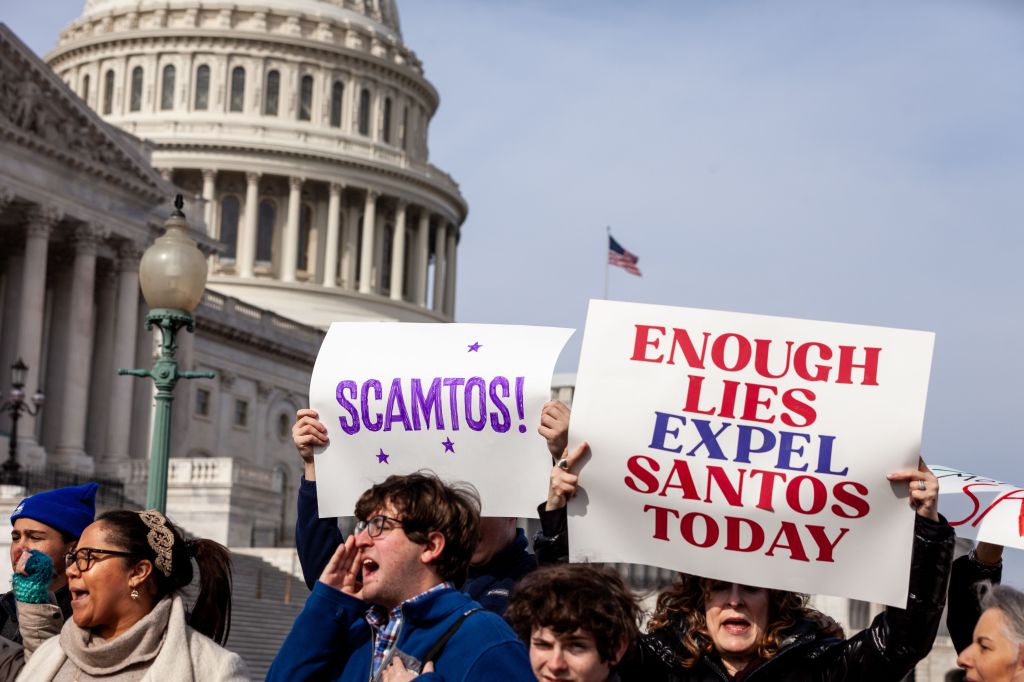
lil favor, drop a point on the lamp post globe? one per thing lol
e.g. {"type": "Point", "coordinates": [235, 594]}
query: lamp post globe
{"type": "Point", "coordinates": [172, 272]}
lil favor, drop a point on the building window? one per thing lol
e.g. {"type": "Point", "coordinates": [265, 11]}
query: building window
{"type": "Point", "coordinates": [202, 402]}
{"type": "Point", "coordinates": [306, 99]}
{"type": "Point", "coordinates": [284, 426]}
{"type": "Point", "coordinates": [136, 100]}
{"type": "Point", "coordinates": [108, 91]}
{"type": "Point", "coordinates": [387, 120]}
{"type": "Point", "coordinates": [167, 88]}
{"type": "Point", "coordinates": [229, 211]}
{"type": "Point", "coordinates": [337, 91]}
{"type": "Point", "coordinates": [305, 224]}
{"type": "Point", "coordinates": [364, 112]}
{"type": "Point", "coordinates": [241, 413]}
{"type": "Point", "coordinates": [85, 88]}
{"type": "Point", "coordinates": [203, 88]}
{"type": "Point", "coordinates": [237, 89]}
{"type": "Point", "coordinates": [405, 128]}
{"type": "Point", "coordinates": [273, 93]}
{"type": "Point", "coordinates": [265, 232]}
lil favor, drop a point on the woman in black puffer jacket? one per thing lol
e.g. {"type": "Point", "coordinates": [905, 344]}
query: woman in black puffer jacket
{"type": "Point", "coordinates": [705, 630]}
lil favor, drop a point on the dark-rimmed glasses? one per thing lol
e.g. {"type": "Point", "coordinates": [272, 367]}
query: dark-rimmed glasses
{"type": "Point", "coordinates": [84, 557]}
{"type": "Point", "coordinates": [376, 525]}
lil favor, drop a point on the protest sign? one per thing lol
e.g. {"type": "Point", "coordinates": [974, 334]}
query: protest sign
{"type": "Point", "coordinates": [749, 448]}
{"type": "Point", "coordinates": [983, 509]}
{"type": "Point", "coordinates": [462, 400]}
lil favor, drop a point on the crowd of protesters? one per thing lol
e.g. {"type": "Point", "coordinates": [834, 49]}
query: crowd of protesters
{"type": "Point", "coordinates": [426, 588]}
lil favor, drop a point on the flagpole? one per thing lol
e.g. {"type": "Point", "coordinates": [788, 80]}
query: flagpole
{"type": "Point", "coordinates": [606, 243]}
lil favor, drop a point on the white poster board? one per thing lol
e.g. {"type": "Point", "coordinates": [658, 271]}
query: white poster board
{"type": "Point", "coordinates": [462, 400]}
{"type": "Point", "coordinates": [749, 448]}
{"type": "Point", "coordinates": [983, 509]}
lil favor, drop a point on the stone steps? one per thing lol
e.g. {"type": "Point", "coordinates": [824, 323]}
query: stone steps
{"type": "Point", "coordinates": [260, 617]}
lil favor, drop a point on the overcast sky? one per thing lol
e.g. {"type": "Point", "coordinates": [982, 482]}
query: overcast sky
{"type": "Point", "coordinates": [850, 161]}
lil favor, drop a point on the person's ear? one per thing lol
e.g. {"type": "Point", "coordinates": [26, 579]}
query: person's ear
{"type": "Point", "coordinates": [140, 572]}
{"type": "Point", "coordinates": [620, 652]}
{"type": "Point", "coordinates": [433, 547]}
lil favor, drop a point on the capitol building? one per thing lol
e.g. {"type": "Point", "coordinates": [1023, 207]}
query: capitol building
{"type": "Point", "coordinates": [298, 132]}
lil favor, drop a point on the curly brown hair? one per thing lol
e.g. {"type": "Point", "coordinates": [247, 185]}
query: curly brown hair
{"type": "Point", "coordinates": [426, 504]}
{"type": "Point", "coordinates": [685, 599]}
{"type": "Point", "coordinates": [570, 597]}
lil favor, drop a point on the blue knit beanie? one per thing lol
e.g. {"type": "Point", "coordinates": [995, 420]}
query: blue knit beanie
{"type": "Point", "coordinates": [69, 510]}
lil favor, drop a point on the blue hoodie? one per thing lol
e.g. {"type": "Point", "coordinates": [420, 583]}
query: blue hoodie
{"type": "Point", "coordinates": [331, 640]}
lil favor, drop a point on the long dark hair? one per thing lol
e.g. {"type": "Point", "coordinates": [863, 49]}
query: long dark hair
{"type": "Point", "coordinates": [211, 613]}
{"type": "Point", "coordinates": [687, 596]}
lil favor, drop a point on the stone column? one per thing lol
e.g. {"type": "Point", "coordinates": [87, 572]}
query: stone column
{"type": "Point", "coordinates": [366, 255]}
{"type": "Point", "coordinates": [451, 252]}
{"type": "Point", "coordinates": [209, 196]}
{"type": "Point", "coordinates": [103, 369]}
{"type": "Point", "coordinates": [439, 268]}
{"type": "Point", "coordinates": [398, 253]}
{"type": "Point", "coordinates": [348, 252]}
{"type": "Point", "coordinates": [330, 278]}
{"type": "Point", "coordinates": [422, 259]}
{"type": "Point", "coordinates": [71, 439]}
{"type": "Point", "coordinates": [290, 242]}
{"type": "Point", "coordinates": [125, 337]}
{"type": "Point", "coordinates": [33, 293]}
{"type": "Point", "coordinates": [246, 248]}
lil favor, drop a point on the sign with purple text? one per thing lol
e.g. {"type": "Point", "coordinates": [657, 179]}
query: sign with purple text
{"type": "Point", "coordinates": [981, 508]}
{"type": "Point", "coordinates": [462, 400]}
{"type": "Point", "coordinates": [748, 448]}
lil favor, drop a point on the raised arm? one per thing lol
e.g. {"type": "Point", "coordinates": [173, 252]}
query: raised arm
{"type": "Point", "coordinates": [985, 562]}
{"type": "Point", "coordinates": [330, 628]}
{"type": "Point", "coordinates": [898, 638]}
{"type": "Point", "coordinates": [315, 538]}
{"type": "Point", "coordinates": [552, 541]}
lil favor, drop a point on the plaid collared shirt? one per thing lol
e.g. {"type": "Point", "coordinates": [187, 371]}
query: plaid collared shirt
{"type": "Point", "coordinates": [387, 626]}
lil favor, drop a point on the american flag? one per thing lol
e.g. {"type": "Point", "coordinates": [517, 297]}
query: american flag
{"type": "Point", "coordinates": [622, 258]}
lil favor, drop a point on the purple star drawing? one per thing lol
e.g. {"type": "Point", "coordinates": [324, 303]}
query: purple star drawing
{"type": "Point", "coordinates": [382, 458]}
{"type": "Point", "coordinates": [449, 446]}
{"type": "Point", "coordinates": [474, 347]}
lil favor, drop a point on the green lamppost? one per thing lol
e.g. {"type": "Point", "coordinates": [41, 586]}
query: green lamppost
{"type": "Point", "coordinates": [172, 275]}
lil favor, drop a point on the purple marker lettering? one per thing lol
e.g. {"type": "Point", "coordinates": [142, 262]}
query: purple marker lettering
{"type": "Point", "coordinates": [520, 406]}
{"type": "Point", "coordinates": [351, 425]}
{"type": "Point", "coordinates": [453, 383]}
{"type": "Point", "coordinates": [500, 424]}
{"type": "Point", "coordinates": [378, 392]}
{"type": "Point", "coordinates": [424, 403]}
{"type": "Point", "coordinates": [396, 400]}
{"type": "Point", "coordinates": [480, 401]}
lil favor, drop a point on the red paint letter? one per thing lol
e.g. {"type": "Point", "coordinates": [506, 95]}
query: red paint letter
{"type": "Point", "coordinates": [642, 340]}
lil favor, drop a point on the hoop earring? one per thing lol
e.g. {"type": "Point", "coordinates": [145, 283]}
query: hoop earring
{"type": "Point", "coordinates": [134, 594]}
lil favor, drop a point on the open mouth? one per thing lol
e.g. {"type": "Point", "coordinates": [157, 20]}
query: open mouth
{"type": "Point", "coordinates": [369, 568]}
{"type": "Point", "coordinates": [78, 597]}
{"type": "Point", "coordinates": [736, 626]}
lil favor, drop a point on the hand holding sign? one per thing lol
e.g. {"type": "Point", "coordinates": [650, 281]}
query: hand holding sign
{"type": "Point", "coordinates": [923, 487]}
{"type": "Point", "coordinates": [565, 478]}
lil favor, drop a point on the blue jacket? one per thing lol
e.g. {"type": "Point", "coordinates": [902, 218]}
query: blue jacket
{"type": "Point", "coordinates": [490, 584]}
{"type": "Point", "coordinates": [331, 640]}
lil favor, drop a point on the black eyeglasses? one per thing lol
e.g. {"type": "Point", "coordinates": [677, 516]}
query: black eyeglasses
{"type": "Point", "coordinates": [376, 525]}
{"type": "Point", "coordinates": [85, 557]}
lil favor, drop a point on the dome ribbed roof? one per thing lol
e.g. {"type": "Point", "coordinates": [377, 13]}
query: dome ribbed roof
{"type": "Point", "coordinates": [382, 15]}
